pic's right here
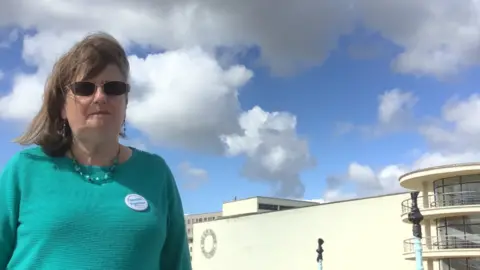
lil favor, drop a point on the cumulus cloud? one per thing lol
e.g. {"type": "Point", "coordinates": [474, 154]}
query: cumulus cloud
{"type": "Point", "coordinates": [275, 152]}
{"type": "Point", "coordinates": [362, 180]}
{"type": "Point", "coordinates": [186, 98]}
{"type": "Point", "coordinates": [452, 139]}
{"type": "Point", "coordinates": [192, 177]}
{"type": "Point", "coordinates": [136, 143]}
{"type": "Point", "coordinates": [7, 37]}
{"type": "Point", "coordinates": [395, 107]}
{"type": "Point", "coordinates": [439, 38]}
{"type": "Point", "coordinates": [394, 113]}
{"type": "Point", "coordinates": [177, 89]}
{"type": "Point", "coordinates": [458, 128]}
{"type": "Point", "coordinates": [183, 97]}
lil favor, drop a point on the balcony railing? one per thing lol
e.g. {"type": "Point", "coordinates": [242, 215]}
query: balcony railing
{"type": "Point", "coordinates": [444, 200]}
{"type": "Point", "coordinates": [444, 242]}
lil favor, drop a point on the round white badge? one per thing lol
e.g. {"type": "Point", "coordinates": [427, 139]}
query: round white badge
{"type": "Point", "coordinates": [136, 202]}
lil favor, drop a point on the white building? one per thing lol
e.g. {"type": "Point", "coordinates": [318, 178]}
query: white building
{"type": "Point", "coordinates": [190, 220]}
{"type": "Point", "coordinates": [371, 233]}
{"type": "Point", "coordinates": [241, 207]}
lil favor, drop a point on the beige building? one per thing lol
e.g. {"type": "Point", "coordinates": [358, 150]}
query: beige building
{"type": "Point", "coordinates": [261, 205]}
{"type": "Point", "coordinates": [450, 204]}
{"type": "Point", "coordinates": [190, 220]}
{"type": "Point", "coordinates": [370, 233]}
{"type": "Point", "coordinates": [241, 207]}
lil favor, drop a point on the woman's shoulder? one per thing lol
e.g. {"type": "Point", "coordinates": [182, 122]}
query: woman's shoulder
{"type": "Point", "coordinates": [145, 158]}
{"type": "Point", "coordinates": [28, 155]}
{"type": "Point", "coordinates": [26, 161]}
{"type": "Point", "coordinates": [153, 164]}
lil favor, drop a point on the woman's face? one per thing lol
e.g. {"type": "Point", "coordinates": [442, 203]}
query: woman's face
{"type": "Point", "coordinates": [96, 107]}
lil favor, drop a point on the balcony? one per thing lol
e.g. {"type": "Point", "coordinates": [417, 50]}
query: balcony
{"type": "Point", "coordinates": [437, 247]}
{"type": "Point", "coordinates": [446, 204]}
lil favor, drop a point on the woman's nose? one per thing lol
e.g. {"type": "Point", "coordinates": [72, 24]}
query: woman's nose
{"type": "Point", "coordinates": [99, 95]}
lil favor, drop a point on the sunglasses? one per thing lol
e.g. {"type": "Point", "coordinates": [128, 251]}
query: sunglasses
{"type": "Point", "coordinates": [112, 88]}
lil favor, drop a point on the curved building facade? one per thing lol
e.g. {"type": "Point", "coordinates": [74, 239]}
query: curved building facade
{"type": "Point", "coordinates": [449, 200]}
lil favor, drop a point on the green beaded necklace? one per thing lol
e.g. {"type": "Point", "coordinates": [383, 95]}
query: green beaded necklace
{"type": "Point", "coordinates": [107, 177]}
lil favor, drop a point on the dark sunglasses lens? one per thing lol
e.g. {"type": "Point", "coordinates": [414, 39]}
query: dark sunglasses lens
{"type": "Point", "coordinates": [115, 88]}
{"type": "Point", "coordinates": [83, 88]}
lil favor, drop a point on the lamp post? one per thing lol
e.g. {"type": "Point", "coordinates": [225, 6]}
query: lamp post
{"type": "Point", "coordinates": [415, 217]}
{"type": "Point", "coordinates": [320, 254]}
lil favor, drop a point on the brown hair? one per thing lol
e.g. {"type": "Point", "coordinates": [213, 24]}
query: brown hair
{"type": "Point", "coordinates": [87, 58]}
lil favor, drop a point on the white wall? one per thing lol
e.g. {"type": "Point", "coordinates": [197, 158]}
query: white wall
{"type": "Point", "coordinates": [240, 207]}
{"type": "Point", "coordinates": [360, 234]}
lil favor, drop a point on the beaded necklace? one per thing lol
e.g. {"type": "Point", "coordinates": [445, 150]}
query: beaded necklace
{"type": "Point", "coordinates": [97, 180]}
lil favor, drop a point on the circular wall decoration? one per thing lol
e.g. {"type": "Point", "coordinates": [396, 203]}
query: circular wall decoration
{"type": "Point", "coordinates": [208, 243]}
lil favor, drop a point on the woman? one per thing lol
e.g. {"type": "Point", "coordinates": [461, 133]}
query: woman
{"type": "Point", "coordinates": [81, 200]}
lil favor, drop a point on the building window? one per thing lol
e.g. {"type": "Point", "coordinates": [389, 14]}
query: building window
{"type": "Point", "coordinates": [460, 264]}
{"type": "Point", "coordinates": [270, 207]}
{"type": "Point", "coordinates": [463, 190]}
{"type": "Point", "coordinates": [458, 232]}
{"type": "Point", "coordinates": [188, 221]}
{"type": "Point", "coordinates": [283, 207]}
{"type": "Point", "coordinates": [188, 231]}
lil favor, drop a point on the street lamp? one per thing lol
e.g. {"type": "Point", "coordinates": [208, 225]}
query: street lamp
{"type": "Point", "coordinates": [415, 217]}
{"type": "Point", "coordinates": [320, 254]}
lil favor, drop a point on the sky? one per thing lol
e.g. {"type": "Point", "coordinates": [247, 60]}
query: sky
{"type": "Point", "coordinates": [314, 100]}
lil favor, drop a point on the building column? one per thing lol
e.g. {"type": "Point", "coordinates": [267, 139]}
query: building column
{"type": "Point", "coordinates": [427, 223]}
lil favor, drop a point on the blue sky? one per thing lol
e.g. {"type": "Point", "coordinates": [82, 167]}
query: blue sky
{"type": "Point", "coordinates": [343, 88]}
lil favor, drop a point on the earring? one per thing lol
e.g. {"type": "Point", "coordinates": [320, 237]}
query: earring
{"type": "Point", "coordinates": [124, 128]}
{"type": "Point", "coordinates": [64, 129]}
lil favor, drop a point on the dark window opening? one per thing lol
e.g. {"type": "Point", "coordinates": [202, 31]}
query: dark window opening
{"type": "Point", "coordinates": [270, 207]}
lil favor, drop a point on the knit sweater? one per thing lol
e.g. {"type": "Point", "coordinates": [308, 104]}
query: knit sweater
{"type": "Point", "coordinates": [52, 219]}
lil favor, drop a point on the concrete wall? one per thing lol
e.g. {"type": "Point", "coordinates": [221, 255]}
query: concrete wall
{"type": "Point", "coordinates": [240, 207]}
{"type": "Point", "coordinates": [251, 205]}
{"type": "Point", "coordinates": [359, 234]}
{"type": "Point", "coordinates": [190, 220]}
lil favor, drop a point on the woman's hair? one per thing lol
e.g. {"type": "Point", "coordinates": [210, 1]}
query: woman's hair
{"type": "Point", "coordinates": [86, 59]}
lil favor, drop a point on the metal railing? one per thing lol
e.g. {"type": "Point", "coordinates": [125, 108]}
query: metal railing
{"type": "Point", "coordinates": [444, 200]}
{"type": "Point", "coordinates": [444, 242]}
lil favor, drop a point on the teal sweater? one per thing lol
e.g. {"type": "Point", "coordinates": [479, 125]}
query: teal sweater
{"type": "Point", "coordinates": [51, 219]}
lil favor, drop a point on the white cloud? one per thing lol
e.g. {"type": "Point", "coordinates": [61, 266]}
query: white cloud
{"type": "Point", "coordinates": [193, 172]}
{"type": "Point", "coordinates": [186, 99]}
{"type": "Point", "coordinates": [177, 24]}
{"type": "Point", "coordinates": [452, 138]}
{"type": "Point", "coordinates": [181, 98]}
{"type": "Point", "coordinates": [362, 180]}
{"type": "Point", "coordinates": [458, 128]}
{"type": "Point", "coordinates": [431, 159]}
{"type": "Point", "coordinates": [193, 177]}
{"type": "Point", "coordinates": [395, 107]}
{"type": "Point", "coordinates": [6, 39]}
{"type": "Point", "coordinates": [394, 113]}
{"type": "Point", "coordinates": [25, 98]}
{"type": "Point", "coordinates": [136, 143]}
{"type": "Point", "coordinates": [177, 89]}
{"type": "Point", "coordinates": [439, 38]}
{"type": "Point", "coordinates": [275, 152]}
